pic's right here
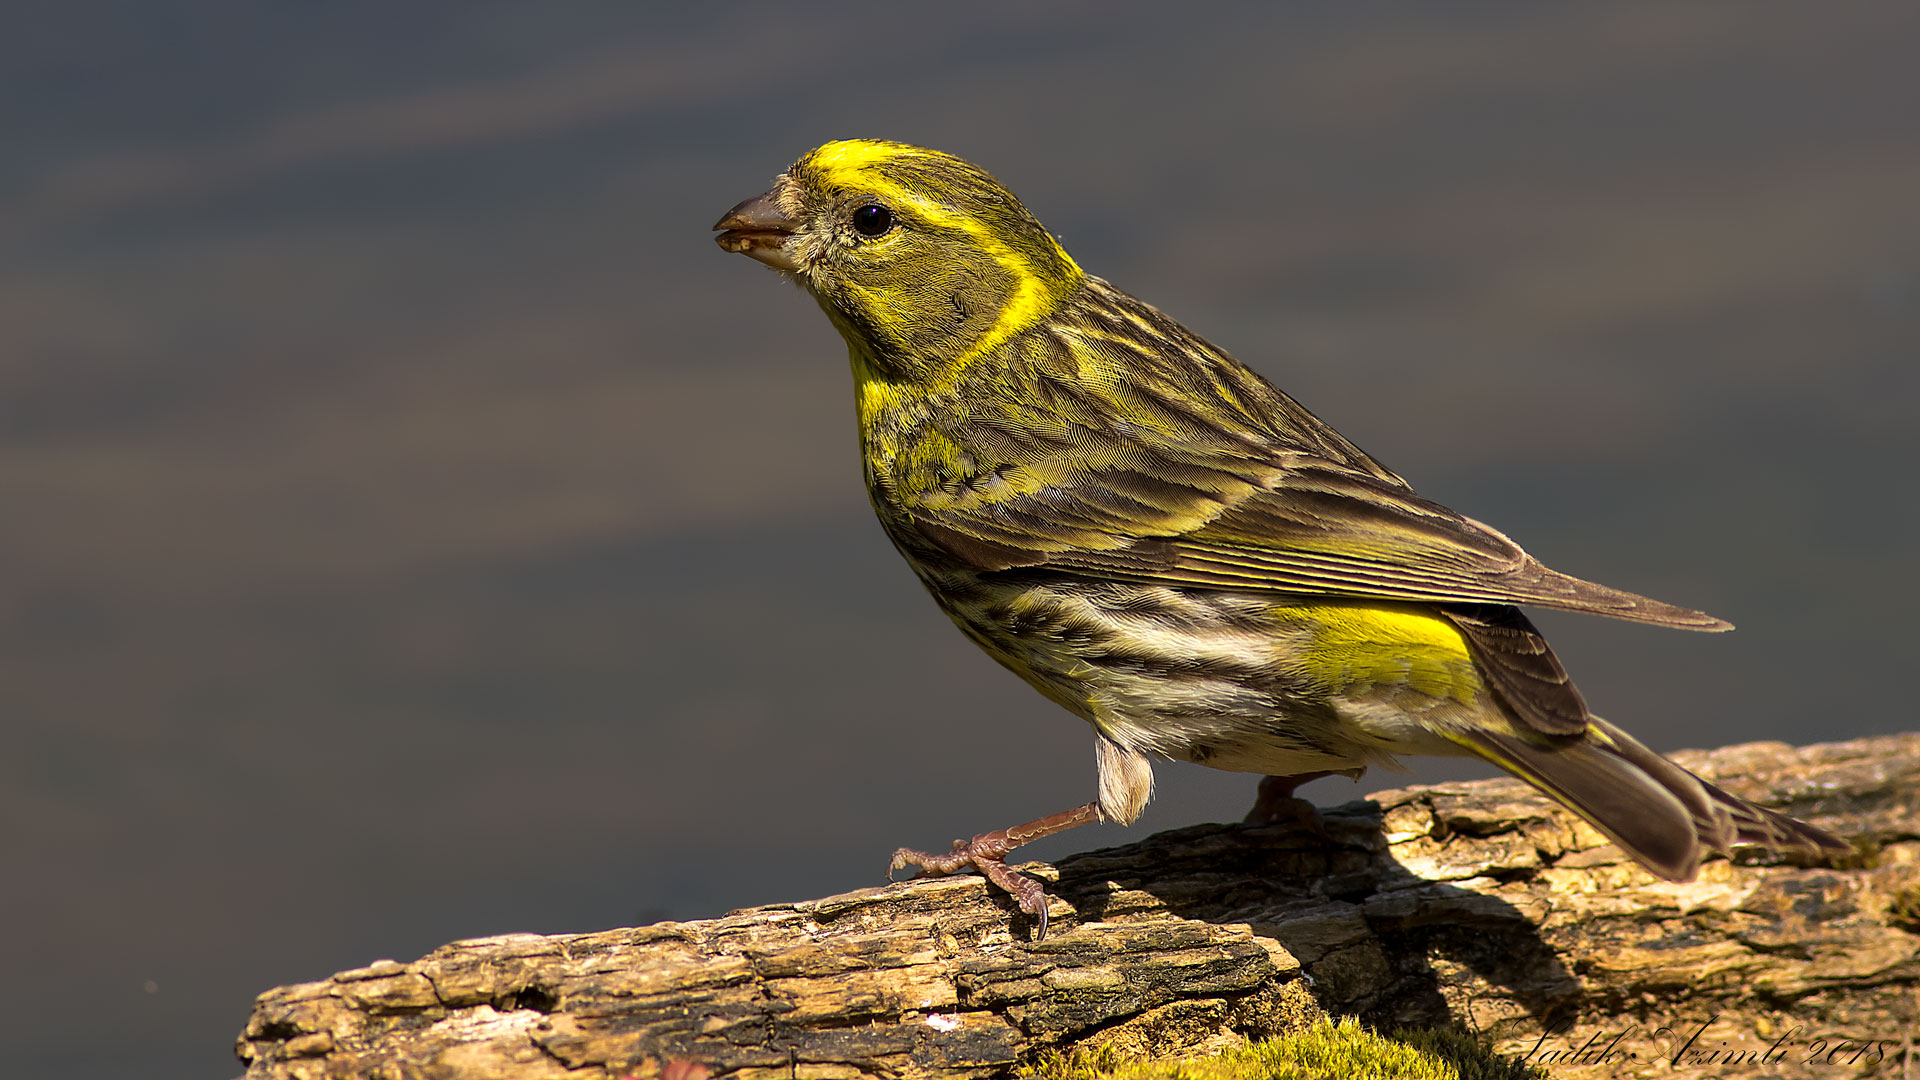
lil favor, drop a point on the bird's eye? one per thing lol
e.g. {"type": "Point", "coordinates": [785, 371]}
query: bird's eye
{"type": "Point", "coordinates": [872, 220]}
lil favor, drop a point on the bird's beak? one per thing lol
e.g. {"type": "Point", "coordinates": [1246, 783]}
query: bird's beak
{"type": "Point", "coordinates": [761, 230]}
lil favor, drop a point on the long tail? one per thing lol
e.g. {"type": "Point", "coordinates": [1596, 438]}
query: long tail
{"type": "Point", "coordinates": [1664, 816]}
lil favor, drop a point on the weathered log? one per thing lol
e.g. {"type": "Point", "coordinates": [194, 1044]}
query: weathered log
{"type": "Point", "coordinates": [1480, 904]}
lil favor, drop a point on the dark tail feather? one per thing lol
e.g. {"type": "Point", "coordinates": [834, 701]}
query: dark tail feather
{"type": "Point", "coordinates": [1664, 816]}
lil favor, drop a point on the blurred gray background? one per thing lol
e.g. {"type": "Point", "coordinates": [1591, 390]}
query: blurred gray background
{"type": "Point", "coordinates": [415, 528]}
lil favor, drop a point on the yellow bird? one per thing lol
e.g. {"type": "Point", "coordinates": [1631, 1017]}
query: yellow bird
{"type": "Point", "coordinates": [1175, 551]}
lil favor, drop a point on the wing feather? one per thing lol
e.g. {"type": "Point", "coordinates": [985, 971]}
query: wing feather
{"type": "Point", "coordinates": [1119, 445]}
{"type": "Point", "coordinates": [1314, 528]}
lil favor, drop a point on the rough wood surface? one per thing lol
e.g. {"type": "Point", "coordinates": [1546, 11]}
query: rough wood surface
{"type": "Point", "coordinates": [1476, 903]}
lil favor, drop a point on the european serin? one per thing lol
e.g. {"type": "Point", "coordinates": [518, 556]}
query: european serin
{"type": "Point", "coordinates": [1172, 549]}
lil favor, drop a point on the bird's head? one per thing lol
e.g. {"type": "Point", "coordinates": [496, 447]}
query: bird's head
{"type": "Point", "coordinates": [923, 261]}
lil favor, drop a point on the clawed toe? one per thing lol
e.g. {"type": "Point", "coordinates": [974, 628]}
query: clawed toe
{"type": "Point", "coordinates": [927, 864]}
{"type": "Point", "coordinates": [987, 854]}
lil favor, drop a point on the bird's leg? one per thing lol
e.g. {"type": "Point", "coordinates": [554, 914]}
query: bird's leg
{"type": "Point", "coordinates": [1276, 803]}
{"type": "Point", "coordinates": [987, 853]}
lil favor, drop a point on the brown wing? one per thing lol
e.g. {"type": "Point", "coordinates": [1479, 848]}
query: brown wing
{"type": "Point", "coordinates": [1116, 444]}
{"type": "Point", "coordinates": [1311, 527]}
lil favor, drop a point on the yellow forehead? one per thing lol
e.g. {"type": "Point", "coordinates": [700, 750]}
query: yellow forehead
{"type": "Point", "coordinates": [850, 156]}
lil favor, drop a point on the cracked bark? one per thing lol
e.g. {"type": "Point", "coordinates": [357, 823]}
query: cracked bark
{"type": "Point", "coordinates": [1480, 904]}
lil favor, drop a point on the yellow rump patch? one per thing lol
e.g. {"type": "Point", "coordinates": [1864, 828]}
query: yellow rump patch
{"type": "Point", "coordinates": [1385, 644]}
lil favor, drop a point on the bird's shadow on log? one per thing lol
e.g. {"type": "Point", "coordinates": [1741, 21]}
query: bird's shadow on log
{"type": "Point", "coordinates": [1374, 938]}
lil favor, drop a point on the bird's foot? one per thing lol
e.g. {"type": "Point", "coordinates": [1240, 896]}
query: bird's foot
{"type": "Point", "coordinates": [1277, 805]}
{"type": "Point", "coordinates": [987, 853]}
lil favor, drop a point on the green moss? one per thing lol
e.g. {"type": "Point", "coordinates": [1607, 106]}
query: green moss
{"type": "Point", "coordinates": [1326, 1051]}
{"type": "Point", "coordinates": [1469, 1054]}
